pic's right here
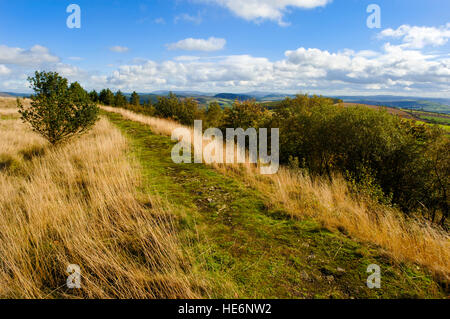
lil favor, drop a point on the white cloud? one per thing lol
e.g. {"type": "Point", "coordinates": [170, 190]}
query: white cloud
{"type": "Point", "coordinates": [189, 18]}
{"type": "Point", "coordinates": [255, 10]}
{"type": "Point", "coordinates": [415, 37]}
{"type": "Point", "coordinates": [393, 69]}
{"type": "Point", "coordinates": [190, 44]}
{"type": "Point", "coordinates": [37, 55]}
{"type": "Point", "coordinates": [69, 71]}
{"type": "Point", "coordinates": [160, 21]}
{"type": "Point", "coordinates": [4, 70]}
{"type": "Point", "coordinates": [17, 64]}
{"type": "Point", "coordinates": [119, 49]}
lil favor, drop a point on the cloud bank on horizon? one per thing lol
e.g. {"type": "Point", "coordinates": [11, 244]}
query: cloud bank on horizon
{"type": "Point", "coordinates": [407, 61]}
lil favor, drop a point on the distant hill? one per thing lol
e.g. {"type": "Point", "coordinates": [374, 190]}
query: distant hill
{"type": "Point", "coordinates": [276, 96]}
{"type": "Point", "coordinates": [182, 93]}
{"type": "Point", "coordinates": [9, 94]}
{"type": "Point", "coordinates": [145, 97]}
{"type": "Point", "coordinates": [232, 96]}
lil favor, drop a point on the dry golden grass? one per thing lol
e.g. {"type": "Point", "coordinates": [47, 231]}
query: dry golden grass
{"type": "Point", "coordinates": [159, 126]}
{"type": "Point", "coordinates": [8, 106]}
{"type": "Point", "coordinates": [9, 112]}
{"type": "Point", "coordinates": [78, 204]}
{"type": "Point", "coordinates": [11, 102]}
{"type": "Point", "coordinates": [332, 204]}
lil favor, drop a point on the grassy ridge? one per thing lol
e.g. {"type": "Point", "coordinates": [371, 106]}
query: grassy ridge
{"type": "Point", "coordinates": [249, 249]}
{"type": "Point", "coordinates": [331, 202]}
{"type": "Point", "coordinates": [153, 228]}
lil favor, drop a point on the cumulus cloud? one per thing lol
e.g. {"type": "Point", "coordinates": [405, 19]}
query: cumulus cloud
{"type": "Point", "coordinates": [395, 66]}
{"type": "Point", "coordinates": [190, 44]}
{"type": "Point", "coordinates": [4, 70]}
{"type": "Point", "coordinates": [119, 49]}
{"type": "Point", "coordinates": [37, 55]}
{"type": "Point", "coordinates": [393, 69]}
{"type": "Point", "coordinates": [16, 64]}
{"type": "Point", "coordinates": [69, 71]}
{"type": "Point", "coordinates": [416, 37]}
{"type": "Point", "coordinates": [256, 10]}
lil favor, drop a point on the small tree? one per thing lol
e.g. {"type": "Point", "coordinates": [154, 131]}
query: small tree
{"type": "Point", "coordinates": [120, 100]}
{"type": "Point", "coordinates": [57, 111]}
{"type": "Point", "coordinates": [135, 99]}
{"type": "Point", "coordinates": [93, 96]}
{"type": "Point", "coordinates": [106, 97]}
{"type": "Point", "coordinates": [244, 115]}
{"type": "Point", "coordinates": [214, 115]}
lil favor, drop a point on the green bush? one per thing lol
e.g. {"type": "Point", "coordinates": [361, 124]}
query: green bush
{"type": "Point", "coordinates": [245, 115]}
{"type": "Point", "coordinates": [57, 111]}
{"type": "Point", "coordinates": [214, 115]}
{"type": "Point", "coordinates": [383, 156]}
{"type": "Point", "coordinates": [184, 111]}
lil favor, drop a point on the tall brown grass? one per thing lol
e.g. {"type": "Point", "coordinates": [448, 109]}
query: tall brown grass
{"type": "Point", "coordinates": [78, 204]}
{"type": "Point", "coordinates": [331, 203]}
{"type": "Point", "coordinates": [9, 112]}
{"type": "Point", "coordinates": [8, 105]}
{"type": "Point", "coordinates": [11, 102]}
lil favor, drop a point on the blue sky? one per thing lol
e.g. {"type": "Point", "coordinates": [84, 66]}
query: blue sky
{"type": "Point", "coordinates": [315, 46]}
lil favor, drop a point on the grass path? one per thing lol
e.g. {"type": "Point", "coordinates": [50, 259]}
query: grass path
{"type": "Point", "coordinates": [246, 250]}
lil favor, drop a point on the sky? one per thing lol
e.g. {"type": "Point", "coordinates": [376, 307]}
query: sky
{"type": "Point", "coordinates": [288, 46]}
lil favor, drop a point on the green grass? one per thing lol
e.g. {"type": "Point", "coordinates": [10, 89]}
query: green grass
{"type": "Point", "coordinates": [444, 127]}
{"type": "Point", "coordinates": [246, 250]}
{"type": "Point", "coordinates": [436, 119]}
{"type": "Point", "coordinates": [430, 118]}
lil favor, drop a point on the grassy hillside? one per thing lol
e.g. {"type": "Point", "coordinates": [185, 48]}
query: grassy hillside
{"type": "Point", "coordinates": [251, 250]}
{"type": "Point", "coordinates": [141, 226]}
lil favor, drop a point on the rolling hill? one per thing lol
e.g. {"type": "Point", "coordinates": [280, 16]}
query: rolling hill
{"type": "Point", "coordinates": [437, 105]}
